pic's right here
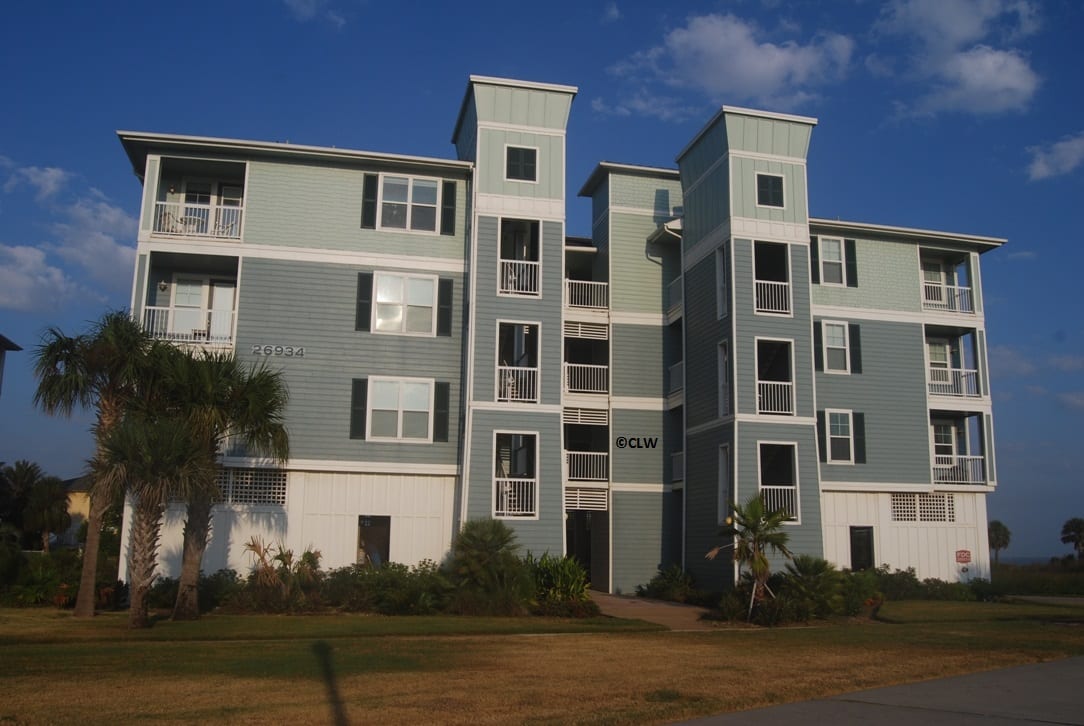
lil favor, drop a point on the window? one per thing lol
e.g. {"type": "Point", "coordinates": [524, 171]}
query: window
{"type": "Point", "coordinates": [836, 358]}
{"type": "Point", "coordinates": [722, 291]}
{"type": "Point", "coordinates": [404, 304]}
{"type": "Point", "coordinates": [399, 409]}
{"type": "Point", "coordinates": [724, 494]}
{"type": "Point", "coordinates": [520, 164]}
{"type": "Point", "coordinates": [831, 261]}
{"type": "Point", "coordinates": [779, 477]}
{"type": "Point", "coordinates": [840, 437]}
{"type": "Point", "coordinates": [408, 203]}
{"type": "Point", "coordinates": [515, 475]}
{"type": "Point", "coordinates": [769, 190]}
{"type": "Point", "coordinates": [724, 379]}
{"type": "Point", "coordinates": [775, 381]}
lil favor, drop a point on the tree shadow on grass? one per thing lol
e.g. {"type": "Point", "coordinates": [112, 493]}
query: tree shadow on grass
{"type": "Point", "coordinates": [323, 656]}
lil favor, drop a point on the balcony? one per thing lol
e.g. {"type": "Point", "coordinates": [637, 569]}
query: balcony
{"type": "Point", "coordinates": [772, 297]}
{"type": "Point", "coordinates": [674, 296]}
{"type": "Point", "coordinates": [189, 326]}
{"type": "Point", "coordinates": [587, 466]}
{"type": "Point", "coordinates": [780, 498]}
{"type": "Point", "coordinates": [959, 382]}
{"type": "Point", "coordinates": [586, 294]}
{"type": "Point", "coordinates": [775, 397]}
{"type": "Point", "coordinates": [959, 470]}
{"type": "Point", "coordinates": [677, 377]}
{"type": "Point", "coordinates": [185, 219]}
{"type": "Point", "coordinates": [677, 466]}
{"type": "Point", "coordinates": [519, 277]}
{"type": "Point", "coordinates": [514, 497]}
{"type": "Point", "coordinates": [516, 384]}
{"type": "Point", "coordinates": [586, 378]}
{"type": "Point", "coordinates": [947, 298]}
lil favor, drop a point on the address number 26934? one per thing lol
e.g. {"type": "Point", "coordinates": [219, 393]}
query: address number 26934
{"type": "Point", "coordinates": [290, 351]}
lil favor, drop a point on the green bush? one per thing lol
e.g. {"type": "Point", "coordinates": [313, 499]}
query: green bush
{"type": "Point", "coordinates": [673, 584]}
{"type": "Point", "coordinates": [812, 587]}
{"type": "Point", "coordinates": [557, 579]}
{"type": "Point", "coordinates": [489, 577]}
{"type": "Point", "coordinates": [46, 579]}
{"type": "Point", "coordinates": [898, 584]}
{"type": "Point", "coordinates": [859, 588]}
{"type": "Point", "coordinates": [279, 582]}
{"type": "Point", "coordinates": [392, 589]}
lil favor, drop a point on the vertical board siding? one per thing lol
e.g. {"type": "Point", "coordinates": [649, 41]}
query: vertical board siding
{"type": "Point", "coordinates": [743, 190]}
{"type": "Point", "coordinates": [549, 167]}
{"type": "Point", "coordinates": [637, 525]}
{"type": "Point", "coordinates": [768, 136]}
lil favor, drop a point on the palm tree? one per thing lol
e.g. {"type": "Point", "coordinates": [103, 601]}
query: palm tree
{"type": "Point", "coordinates": [999, 536]}
{"type": "Point", "coordinates": [18, 481]}
{"type": "Point", "coordinates": [47, 509]}
{"type": "Point", "coordinates": [1072, 532]}
{"type": "Point", "coordinates": [754, 530]}
{"type": "Point", "coordinates": [154, 460]}
{"type": "Point", "coordinates": [222, 401]}
{"type": "Point", "coordinates": [101, 369]}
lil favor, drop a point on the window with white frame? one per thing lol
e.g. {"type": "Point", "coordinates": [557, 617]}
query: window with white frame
{"type": "Point", "coordinates": [724, 379]}
{"type": "Point", "coordinates": [724, 497]}
{"type": "Point", "coordinates": [409, 203]}
{"type": "Point", "coordinates": [400, 409]}
{"type": "Point", "coordinates": [836, 354]}
{"type": "Point", "coordinates": [404, 304]}
{"type": "Point", "coordinates": [521, 164]}
{"type": "Point", "coordinates": [722, 284]}
{"type": "Point", "coordinates": [833, 269]}
{"type": "Point", "coordinates": [778, 462]}
{"type": "Point", "coordinates": [840, 437]}
{"type": "Point", "coordinates": [769, 190]}
{"type": "Point", "coordinates": [515, 475]}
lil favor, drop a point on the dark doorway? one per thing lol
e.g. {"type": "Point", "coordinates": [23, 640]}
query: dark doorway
{"type": "Point", "coordinates": [861, 548]}
{"type": "Point", "coordinates": [374, 540]}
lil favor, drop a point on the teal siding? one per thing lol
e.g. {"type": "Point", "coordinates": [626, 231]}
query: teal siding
{"type": "Point", "coordinates": [743, 190]}
{"type": "Point", "coordinates": [636, 356]}
{"type": "Point", "coordinates": [768, 135]}
{"type": "Point", "coordinates": [550, 167]}
{"type": "Point", "coordinates": [704, 332]}
{"type": "Point", "coordinates": [698, 158]}
{"type": "Point", "coordinates": [637, 523]}
{"type": "Point", "coordinates": [643, 465]}
{"type": "Point", "coordinates": [707, 206]}
{"type": "Point", "coordinates": [521, 106]}
{"type": "Point", "coordinates": [889, 278]}
{"type": "Point", "coordinates": [662, 196]}
{"type": "Point", "coordinates": [702, 505]}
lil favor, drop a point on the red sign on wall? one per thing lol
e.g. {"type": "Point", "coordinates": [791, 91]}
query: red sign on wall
{"type": "Point", "coordinates": [963, 557]}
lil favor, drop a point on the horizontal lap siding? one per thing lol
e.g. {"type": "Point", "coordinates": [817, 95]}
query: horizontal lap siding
{"type": "Point", "coordinates": [661, 196]}
{"type": "Point", "coordinates": [637, 525]}
{"type": "Point", "coordinates": [312, 305]}
{"type": "Point", "coordinates": [702, 505]}
{"type": "Point", "coordinates": [636, 355]}
{"type": "Point", "coordinates": [638, 465]}
{"type": "Point", "coordinates": [636, 275]}
{"type": "Point", "coordinates": [703, 334]}
{"type": "Point", "coordinates": [889, 278]}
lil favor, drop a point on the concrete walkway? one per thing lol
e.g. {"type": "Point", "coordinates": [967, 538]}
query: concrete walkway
{"type": "Point", "coordinates": [674, 616]}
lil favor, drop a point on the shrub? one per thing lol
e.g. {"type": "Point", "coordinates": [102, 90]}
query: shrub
{"type": "Point", "coordinates": [490, 578]}
{"type": "Point", "coordinates": [858, 589]}
{"type": "Point", "coordinates": [898, 584]}
{"type": "Point", "coordinates": [811, 587]}
{"type": "Point", "coordinates": [279, 582]}
{"type": "Point", "coordinates": [673, 584]}
{"type": "Point", "coordinates": [557, 579]}
{"type": "Point", "coordinates": [392, 589]}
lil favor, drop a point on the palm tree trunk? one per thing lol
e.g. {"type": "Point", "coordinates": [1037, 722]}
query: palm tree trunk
{"type": "Point", "coordinates": [88, 579]}
{"type": "Point", "coordinates": [197, 528]}
{"type": "Point", "coordinates": [146, 527]}
{"type": "Point", "coordinates": [45, 541]}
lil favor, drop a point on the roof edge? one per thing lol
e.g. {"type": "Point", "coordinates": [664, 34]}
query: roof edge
{"type": "Point", "coordinates": [885, 229]}
{"type": "Point", "coordinates": [595, 177]}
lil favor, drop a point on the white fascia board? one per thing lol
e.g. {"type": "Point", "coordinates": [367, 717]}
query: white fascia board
{"type": "Point", "coordinates": [605, 167]}
{"type": "Point", "coordinates": [910, 232]}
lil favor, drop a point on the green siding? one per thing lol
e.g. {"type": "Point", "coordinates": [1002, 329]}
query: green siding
{"type": "Point", "coordinates": [637, 526]}
{"type": "Point", "coordinates": [889, 278]}
{"type": "Point", "coordinates": [521, 106]}
{"type": "Point", "coordinates": [636, 266]}
{"type": "Point", "coordinates": [701, 508]}
{"type": "Point", "coordinates": [768, 135]}
{"type": "Point", "coordinates": [707, 206]}
{"type": "Point", "coordinates": [698, 158]}
{"type": "Point", "coordinates": [636, 360]}
{"type": "Point", "coordinates": [550, 167]}
{"type": "Point", "coordinates": [659, 195]}
{"type": "Point", "coordinates": [743, 194]}
{"type": "Point", "coordinates": [643, 465]}
{"type": "Point", "coordinates": [150, 184]}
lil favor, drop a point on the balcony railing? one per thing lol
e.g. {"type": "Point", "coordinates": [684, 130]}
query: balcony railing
{"type": "Point", "coordinates": [677, 466]}
{"type": "Point", "coordinates": [198, 326]}
{"type": "Point", "coordinates": [780, 497]}
{"type": "Point", "coordinates": [514, 497]}
{"type": "Point", "coordinates": [584, 378]}
{"type": "Point", "coordinates": [198, 220]}
{"type": "Point", "coordinates": [775, 397]}
{"type": "Point", "coordinates": [674, 295]}
{"type": "Point", "coordinates": [951, 298]}
{"type": "Point", "coordinates": [586, 294]}
{"type": "Point", "coordinates": [517, 384]}
{"type": "Point", "coordinates": [519, 277]}
{"type": "Point", "coordinates": [587, 466]}
{"type": "Point", "coordinates": [677, 377]}
{"type": "Point", "coordinates": [954, 382]}
{"type": "Point", "coordinates": [959, 470]}
{"type": "Point", "coordinates": [772, 297]}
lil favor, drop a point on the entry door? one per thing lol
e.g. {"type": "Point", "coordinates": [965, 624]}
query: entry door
{"type": "Point", "coordinates": [223, 293]}
{"type": "Point", "coordinates": [861, 548]}
{"type": "Point", "coordinates": [940, 357]}
{"type": "Point", "coordinates": [188, 316]}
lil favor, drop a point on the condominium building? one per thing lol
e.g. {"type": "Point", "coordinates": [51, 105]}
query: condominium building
{"type": "Point", "coordinates": [453, 353]}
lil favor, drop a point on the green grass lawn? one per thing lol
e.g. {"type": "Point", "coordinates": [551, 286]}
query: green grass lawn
{"type": "Point", "coordinates": [275, 669]}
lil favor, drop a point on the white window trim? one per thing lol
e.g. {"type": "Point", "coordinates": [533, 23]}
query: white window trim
{"type": "Point", "coordinates": [537, 156]}
{"type": "Point", "coordinates": [797, 489]}
{"type": "Point", "coordinates": [842, 262]}
{"type": "Point", "coordinates": [756, 190]}
{"type": "Point", "coordinates": [828, 435]}
{"type": "Point", "coordinates": [398, 439]}
{"type": "Point", "coordinates": [793, 375]}
{"type": "Point", "coordinates": [493, 473]}
{"type": "Point", "coordinates": [722, 282]}
{"type": "Point", "coordinates": [789, 282]}
{"type": "Point", "coordinates": [497, 361]}
{"type": "Point", "coordinates": [497, 277]}
{"type": "Point", "coordinates": [409, 204]}
{"type": "Point", "coordinates": [723, 379]}
{"type": "Point", "coordinates": [846, 371]}
{"type": "Point", "coordinates": [404, 276]}
{"type": "Point", "coordinates": [722, 501]}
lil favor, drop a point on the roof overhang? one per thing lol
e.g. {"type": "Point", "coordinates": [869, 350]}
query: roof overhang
{"type": "Point", "coordinates": [607, 167]}
{"type": "Point", "coordinates": [903, 233]}
{"type": "Point", "coordinates": [509, 82]}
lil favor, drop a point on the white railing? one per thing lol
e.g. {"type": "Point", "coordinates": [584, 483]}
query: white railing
{"type": "Point", "coordinates": [780, 497]}
{"type": "Point", "coordinates": [674, 295]}
{"type": "Point", "coordinates": [517, 384]}
{"type": "Point", "coordinates": [514, 497]}
{"type": "Point", "coordinates": [677, 466]}
{"type": "Point", "coordinates": [197, 220]}
{"type": "Point", "coordinates": [775, 397]}
{"type": "Point", "coordinates": [677, 377]}
{"type": "Point", "coordinates": [587, 466]}
{"type": "Point", "coordinates": [586, 294]}
{"type": "Point", "coordinates": [519, 277]}
{"type": "Point", "coordinates": [772, 297]}
{"type": "Point", "coordinates": [189, 325]}
{"type": "Point", "coordinates": [954, 382]}
{"type": "Point", "coordinates": [959, 470]}
{"type": "Point", "coordinates": [584, 378]}
{"type": "Point", "coordinates": [951, 298]}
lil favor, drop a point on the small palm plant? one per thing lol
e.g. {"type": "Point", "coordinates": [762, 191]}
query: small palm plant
{"type": "Point", "coordinates": [754, 530]}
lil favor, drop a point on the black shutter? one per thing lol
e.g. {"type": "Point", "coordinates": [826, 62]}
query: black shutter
{"type": "Point", "coordinates": [358, 402]}
{"type": "Point", "coordinates": [444, 306]}
{"type": "Point", "coordinates": [851, 258]}
{"type": "Point", "coordinates": [854, 339]}
{"type": "Point", "coordinates": [368, 201]}
{"type": "Point", "coordinates": [858, 425]}
{"type": "Point", "coordinates": [814, 261]}
{"type": "Point", "coordinates": [818, 345]}
{"type": "Point", "coordinates": [363, 311]}
{"type": "Point", "coordinates": [822, 442]}
{"type": "Point", "coordinates": [441, 397]}
{"type": "Point", "coordinates": [447, 208]}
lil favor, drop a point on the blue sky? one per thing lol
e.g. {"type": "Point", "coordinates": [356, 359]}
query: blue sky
{"type": "Point", "coordinates": [940, 114]}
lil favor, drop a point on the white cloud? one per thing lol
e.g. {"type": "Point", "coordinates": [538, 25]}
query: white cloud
{"type": "Point", "coordinates": [948, 25]}
{"type": "Point", "coordinates": [1068, 363]}
{"type": "Point", "coordinates": [1022, 255]}
{"type": "Point", "coordinates": [306, 10]}
{"type": "Point", "coordinates": [46, 181]}
{"type": "Point", "coordinates": [1073, 399]}
{"type": "Point", "coordinates": [726, 60]}
{"type": "Point", "coordinates": [98, 237]}
{"type": "Point", "coordinates": [982, 80]}
{"type": "Point", "coordinates": [611, 14]}
{"type": "Point", "coordinates": [29, 283]}
{"type": "Point", "coordinates": [1057, 159]}
{"type": "Point", "coordinates": [1008, 361]}
{"type": "Point", "coordinates": [644, 103]}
